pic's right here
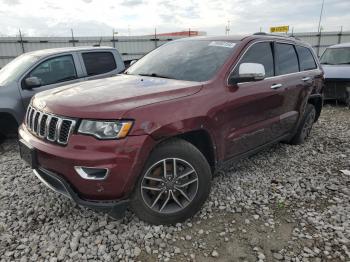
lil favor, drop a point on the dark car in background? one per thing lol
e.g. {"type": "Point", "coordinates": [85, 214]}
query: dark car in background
{"type": "Point", "coordinates": [336, 65]}
{"type": "Point", "coordinates": [41, 70]}
{"type": "Point", "coordinates": [150, 139]}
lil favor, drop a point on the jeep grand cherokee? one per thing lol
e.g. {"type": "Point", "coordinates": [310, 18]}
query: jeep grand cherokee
{"type": "Point", "coordinates": [150, 139]}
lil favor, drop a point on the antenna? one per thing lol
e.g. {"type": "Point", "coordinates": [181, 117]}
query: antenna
{"type": "Point", "coordinates": [319, 22]}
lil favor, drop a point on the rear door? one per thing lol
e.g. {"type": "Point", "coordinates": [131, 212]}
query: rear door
{"type": "Point", "coordinates": [288, 81]}
{"type": "Point", "coordinates": [252, 114]}
{"type": "Point", "coordinates": [99, 64]}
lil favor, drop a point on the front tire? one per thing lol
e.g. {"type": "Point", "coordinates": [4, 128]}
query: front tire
{"type": "Point", "coordinates": [174, 184]}
{"type": "Point", "coordinates": [305, 125]}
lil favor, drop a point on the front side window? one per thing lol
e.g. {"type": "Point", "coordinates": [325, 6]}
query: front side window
{"type": "Point", "coordinates": [13, 70]}
{"type": "Point", "coordinates": [55, 70]}
{"type": "Point", "coordinates": [286, 59]}
{"type": "Point", "coordinates": [306, 59]}
{"type": "Point", "coordinates": [260, 53]}
{"type": "Point", "coordinates": [190, 60]}
{"type": "Point", "coordinates": [97, 63]}
{"type": "Point", "coordinates": [336, 56]}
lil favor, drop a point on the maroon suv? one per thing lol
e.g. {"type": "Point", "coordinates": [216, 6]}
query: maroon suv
{"type": "Point", "coordinates": [150, 138]}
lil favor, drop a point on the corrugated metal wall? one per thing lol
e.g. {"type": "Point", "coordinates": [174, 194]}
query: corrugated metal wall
{"type": "Point", "coordinates": [134, 47]}
{"type": "Point", "coordinates": [321, 42]}
{"type": "Point", "coordinates": [129, 47]}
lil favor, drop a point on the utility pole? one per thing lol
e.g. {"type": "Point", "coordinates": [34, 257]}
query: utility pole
{"type": "Point", "coordinates": [227, 28]}
{"type": "Point", "coordinates": [73, 41]}
{"type": "Point", "coordinates": [22, 44]}
{"type": "Point", "coordinates": [340, 34]}
{"type": "Point", "coordinates": [113, 38]}
{"type": "Point", "coordinates": [155, 37]}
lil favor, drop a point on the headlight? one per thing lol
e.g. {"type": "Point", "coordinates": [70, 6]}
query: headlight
{"type": "Point", "coordinates": [105, 129]}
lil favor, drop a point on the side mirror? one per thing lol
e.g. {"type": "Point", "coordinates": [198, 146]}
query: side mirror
{"type": "Point", "coordinates": [33, 81]}
{"type": "Point", "coordinates": [133, 62]}
{"type": "Point", "coordinates": [248, 72]}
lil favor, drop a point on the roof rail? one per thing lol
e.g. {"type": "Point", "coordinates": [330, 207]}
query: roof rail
{"type": "Point", "coordinates": [267, 34]}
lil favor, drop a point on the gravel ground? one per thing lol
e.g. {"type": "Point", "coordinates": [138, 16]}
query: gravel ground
{"type": "Point", "coordinates": [289, 203]}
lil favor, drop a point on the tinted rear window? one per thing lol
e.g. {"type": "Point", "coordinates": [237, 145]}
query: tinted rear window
{"type": "Point", "coordinates": [287, 61]}
{"type": "Point", "coordinates": [99, 62]}
{"type": "Point", "coordinates": [306, 59]}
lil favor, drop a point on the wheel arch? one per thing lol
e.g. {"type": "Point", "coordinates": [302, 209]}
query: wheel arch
{"type": "Point", "coordinates": [317, 101]}
{"type": "Point", "coordinates": [8, 123]}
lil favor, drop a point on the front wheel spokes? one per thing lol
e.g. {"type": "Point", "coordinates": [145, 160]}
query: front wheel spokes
{"type": "Point", "coordinates": [186, 174]}
{"type": "Point", "coordinates": [154, 178]}
{"type": "Point", "coordinates": [157, 198]}
{"type": "Point", "coordinates": [183, 193]}
{"type": "Point", "coordinates": [188, 183]}
{"type": "Point", "coordinates": [176, 199]}
{"type": "Point", "coordinates": [151, 188]}
{"type": "Point", "coordinates": [169, 185]}
{"type": "Point", "coordinates": [165, 202]}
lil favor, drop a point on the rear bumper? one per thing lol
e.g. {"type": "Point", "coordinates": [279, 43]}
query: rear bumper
{"type": "Point", "coordinates": [114, 208]}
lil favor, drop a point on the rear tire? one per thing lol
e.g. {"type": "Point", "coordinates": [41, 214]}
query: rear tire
{"type": "Point", "coordinates": [178, 193]}
{"type": "Point", "coordinates": [305, 126]}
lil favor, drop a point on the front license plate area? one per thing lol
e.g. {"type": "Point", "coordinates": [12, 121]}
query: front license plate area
{"type": "Point", "coordinates": [28, 154]}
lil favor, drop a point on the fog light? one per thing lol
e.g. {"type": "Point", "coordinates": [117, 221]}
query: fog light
{"type": "Point", "coordinates": [92, 173]}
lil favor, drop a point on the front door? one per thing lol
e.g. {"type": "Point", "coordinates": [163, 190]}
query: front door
{"type": "Point", "coordinates": [53, 72]}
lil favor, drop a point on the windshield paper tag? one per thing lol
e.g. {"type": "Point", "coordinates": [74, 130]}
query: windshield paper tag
{"type": "Point", "coordinates": [222, 44]}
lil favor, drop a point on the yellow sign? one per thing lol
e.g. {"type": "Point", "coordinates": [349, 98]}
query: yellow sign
{"type": "Point", "coordinates": [280, 29]}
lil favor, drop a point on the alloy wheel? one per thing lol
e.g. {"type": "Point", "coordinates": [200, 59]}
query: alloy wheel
{"type": "Point", "coordinates": [169, 185]}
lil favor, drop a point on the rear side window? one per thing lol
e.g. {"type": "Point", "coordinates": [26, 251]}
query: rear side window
{"type": "Point", "coordinates": [260, 53]}
{"type": "Point", "coordinates": [99, 62]}
{"type": "Point", "coordinates": [306, 59]}
{"type": "Point", "coordinates": [287, 61]}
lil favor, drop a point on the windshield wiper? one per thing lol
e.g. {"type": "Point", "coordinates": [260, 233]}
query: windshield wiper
{"type": "Point", "coordinates": [154, 75]}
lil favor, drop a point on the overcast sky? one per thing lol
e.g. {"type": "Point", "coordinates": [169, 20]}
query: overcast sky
{"type": "Point", "coordinates": [100, 17]}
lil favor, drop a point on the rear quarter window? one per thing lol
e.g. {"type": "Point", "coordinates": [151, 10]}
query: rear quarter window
{"type": "Point", "coordinates": [306, 59]}
{"type": "Point", "coordinates": [99, 62]}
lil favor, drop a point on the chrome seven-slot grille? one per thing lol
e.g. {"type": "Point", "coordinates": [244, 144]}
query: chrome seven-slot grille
{"type": "Point", "coordinates": [47, 126]}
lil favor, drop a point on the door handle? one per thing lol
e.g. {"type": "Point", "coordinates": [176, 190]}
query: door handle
{"type": "Point", "coordinates": [306, 78]}
{"type": "Point", "coordinates": [275, 86]}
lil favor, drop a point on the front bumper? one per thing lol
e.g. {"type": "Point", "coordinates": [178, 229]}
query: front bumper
{"type": "Point", "coordinates": [115, 209]}
{"type": "Point", "coordinates": [123, 158]}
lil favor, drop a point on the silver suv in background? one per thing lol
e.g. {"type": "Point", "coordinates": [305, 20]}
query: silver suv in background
{"type": "Point", "coordinates": [41, 70]}
{"type": "Point", "coordinates": [336, 65]}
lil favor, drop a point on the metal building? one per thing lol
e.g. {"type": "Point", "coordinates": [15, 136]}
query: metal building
{"type": "Point", "coordinates": [134, 47]}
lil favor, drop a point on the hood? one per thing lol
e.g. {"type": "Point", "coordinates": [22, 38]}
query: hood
{"type": "Point", "coordinates": [336, 71]}
{"type": "Point", "coordinates": [111, 98]}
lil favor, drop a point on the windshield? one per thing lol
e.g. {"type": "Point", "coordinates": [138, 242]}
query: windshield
{"type": "Point", "coordinates": [336, 56]}
{"type": "Point", "coordinates": [16, 68]}
{"type": "Point", "coordinates": [190, 60]}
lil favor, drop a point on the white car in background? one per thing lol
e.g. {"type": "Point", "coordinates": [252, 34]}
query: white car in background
{"type": "Point", "coordinates": [336, 65]}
